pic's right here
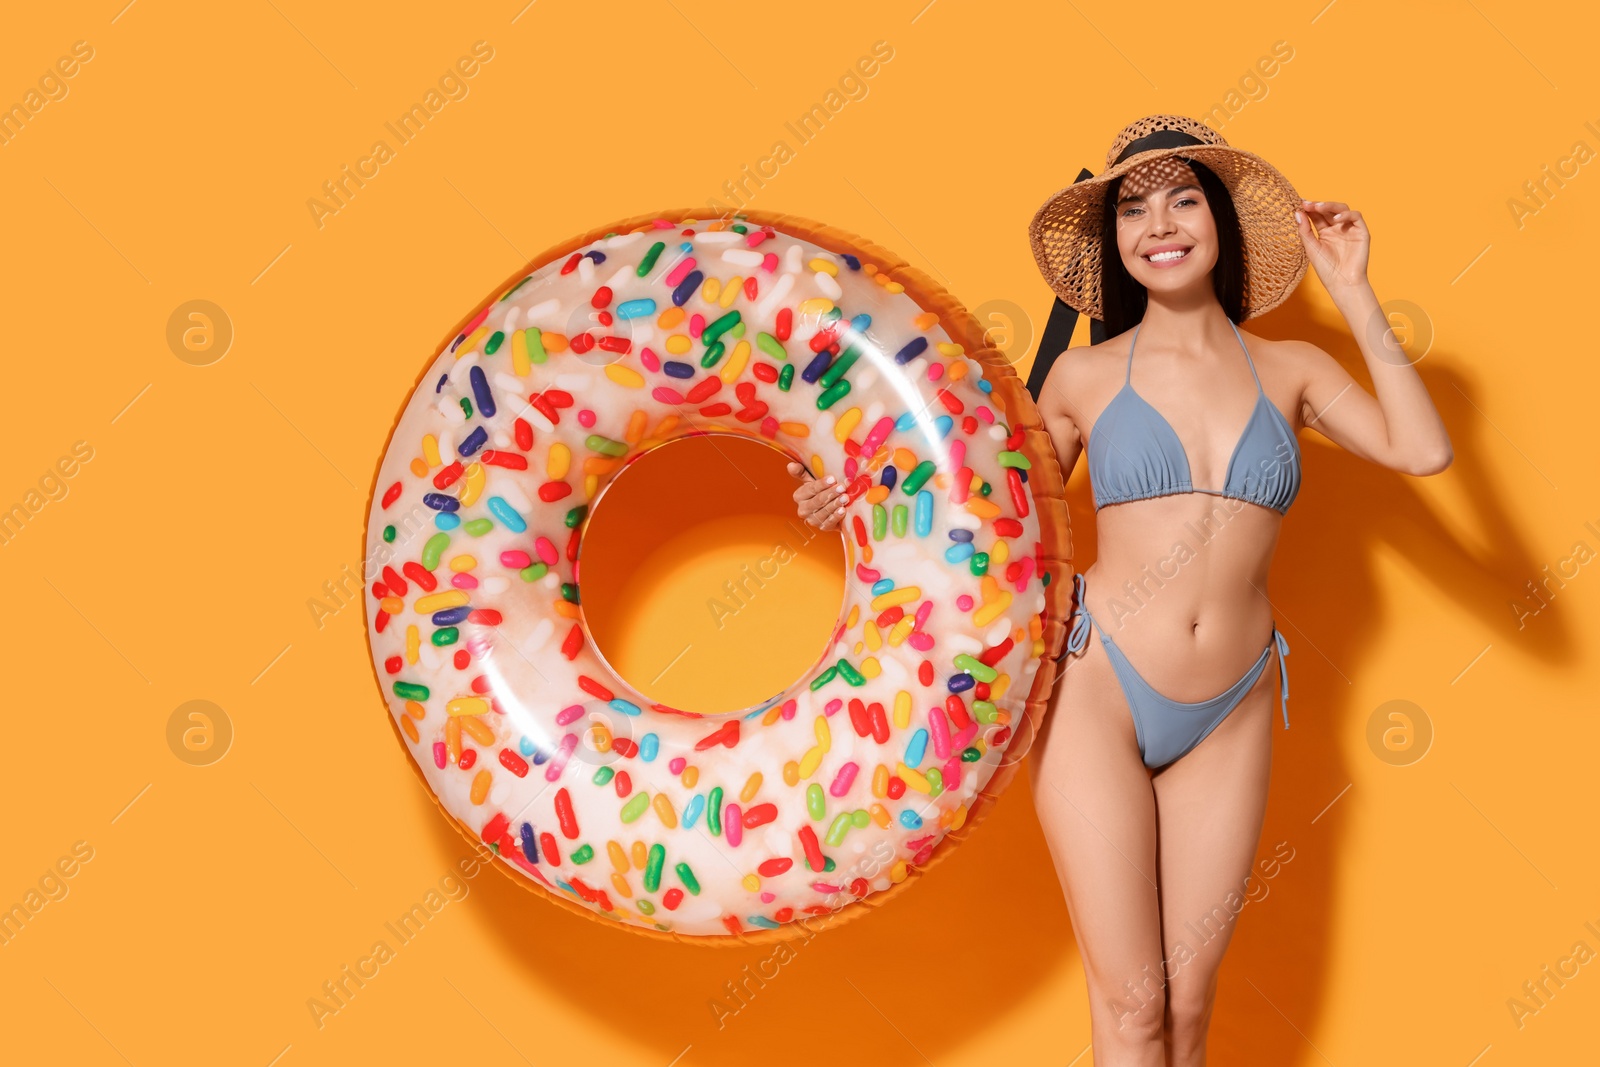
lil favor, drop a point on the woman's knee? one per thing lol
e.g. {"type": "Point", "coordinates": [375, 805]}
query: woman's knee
{"type": "Point", "coordinates": [1189, 1007]}
{"type": "Point", "coordinates": [1132, 1014]}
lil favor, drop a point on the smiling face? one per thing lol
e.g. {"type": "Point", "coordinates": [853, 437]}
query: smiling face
{"type": "Point", "coordinates": [1165, 231]}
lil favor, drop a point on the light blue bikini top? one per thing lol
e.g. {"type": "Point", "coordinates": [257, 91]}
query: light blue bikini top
{"type": "Point", "coordinates": [1134, 453]}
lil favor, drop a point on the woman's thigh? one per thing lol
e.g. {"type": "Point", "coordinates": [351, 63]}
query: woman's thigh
{"type": "Point", "coordinates": [1210, 805]}
{"type": "Point", "coordinates": [1097, 808]}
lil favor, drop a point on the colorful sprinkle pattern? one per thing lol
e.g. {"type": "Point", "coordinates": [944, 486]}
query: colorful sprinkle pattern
{"type": "Point", "coordinates": [653, 816]}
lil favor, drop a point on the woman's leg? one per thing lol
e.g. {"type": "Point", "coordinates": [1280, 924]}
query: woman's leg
{"type": "Point", "coordinates": [1210, 805]}
{"type": "Point", "coordinates": [1097, 808]}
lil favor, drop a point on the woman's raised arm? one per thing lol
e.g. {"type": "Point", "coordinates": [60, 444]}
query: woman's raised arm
{"type": "Point", "coordinates": [1399, 428]}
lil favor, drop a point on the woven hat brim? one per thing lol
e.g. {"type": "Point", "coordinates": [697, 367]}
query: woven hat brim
{"type": "Point", "coordinates": [1065, 232]}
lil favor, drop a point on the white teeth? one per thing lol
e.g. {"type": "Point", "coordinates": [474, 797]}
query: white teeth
{"type": "Point", "coordinates": [1163, 257]}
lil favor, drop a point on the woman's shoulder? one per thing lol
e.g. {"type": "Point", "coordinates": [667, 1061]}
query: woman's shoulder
{"type": "Point", "coordinates": [1085, 358]}
{"type": "Point", "coordinates": [1288, 349]}
{"type": "Point", "coordinates": [1286, 356]}
{"type": "Point", "coordinates": [1082, 363]}
{"type": "Point", "coordinates": [1081, 371]}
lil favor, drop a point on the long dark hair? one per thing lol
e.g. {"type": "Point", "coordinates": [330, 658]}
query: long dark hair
{"type": "Point", "coordinates": [1122, 299]}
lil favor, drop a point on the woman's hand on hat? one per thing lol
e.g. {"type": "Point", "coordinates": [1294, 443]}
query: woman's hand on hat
{"type": "Point", "coordinates": [1338, 248]}
{"type": "Point", "coordinates": [821, 501]}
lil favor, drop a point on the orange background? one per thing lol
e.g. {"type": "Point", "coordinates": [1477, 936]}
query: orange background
{"type": "Point", "coordinates": [176, 563]}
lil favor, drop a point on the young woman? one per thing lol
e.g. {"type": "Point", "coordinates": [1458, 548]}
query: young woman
{"type": "Point", "coordinates": [1150, 773]}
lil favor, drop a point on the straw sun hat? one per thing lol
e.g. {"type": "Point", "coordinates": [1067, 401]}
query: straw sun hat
{"type": "Point", "coordinates": [1065, 232]}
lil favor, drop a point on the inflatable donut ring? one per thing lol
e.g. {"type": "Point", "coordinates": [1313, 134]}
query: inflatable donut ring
{"type": "Point", "coordinates": [833, 795]}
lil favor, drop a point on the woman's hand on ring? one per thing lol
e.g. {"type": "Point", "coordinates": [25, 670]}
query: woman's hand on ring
{"type": "Point", "coordinates": [821, 502]}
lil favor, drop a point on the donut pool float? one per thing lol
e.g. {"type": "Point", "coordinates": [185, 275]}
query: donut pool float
{"type": "Point", "coordinates": [833, 795]}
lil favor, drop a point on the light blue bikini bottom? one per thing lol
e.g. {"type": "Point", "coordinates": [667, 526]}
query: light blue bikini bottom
{"type": "Point", "coordinates": [1168, 729]}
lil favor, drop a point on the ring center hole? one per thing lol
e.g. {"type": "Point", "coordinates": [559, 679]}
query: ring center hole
{"type": "Point", "coordinates": [701, 586]}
